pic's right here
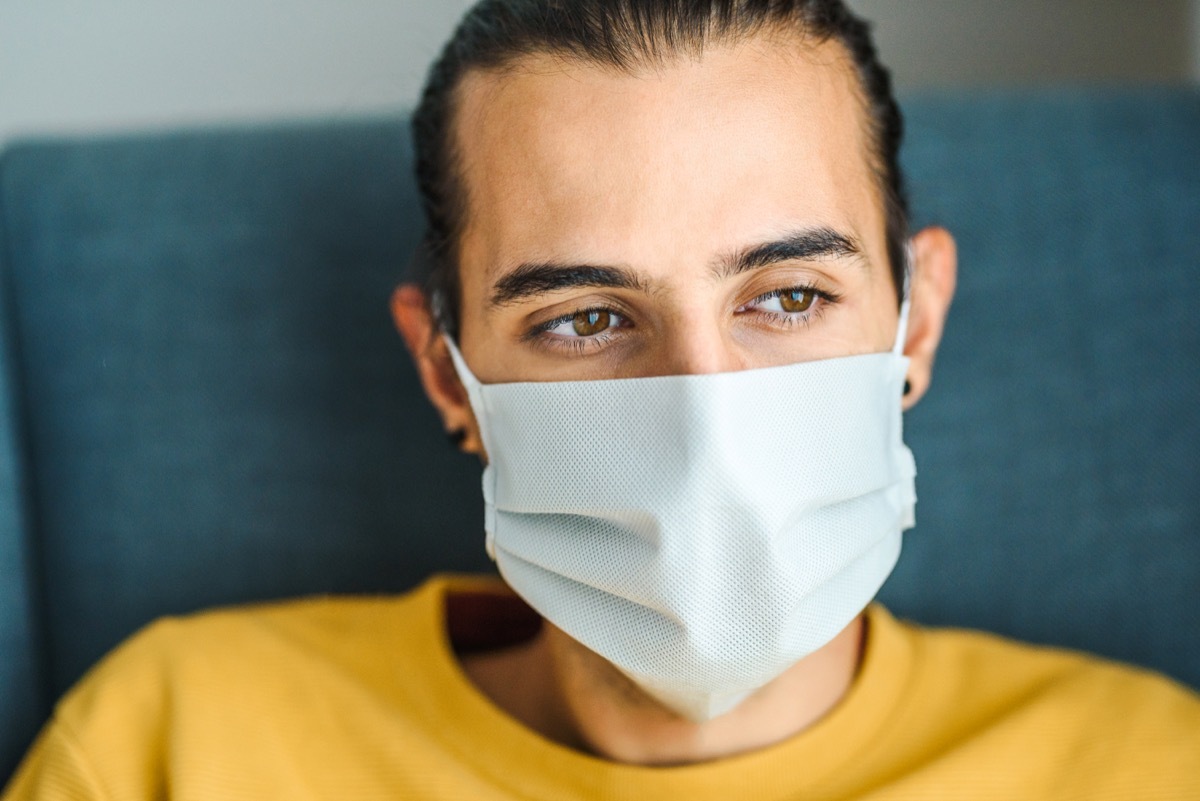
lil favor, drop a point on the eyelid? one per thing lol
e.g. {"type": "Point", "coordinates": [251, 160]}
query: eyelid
{"type": "Point", "coordinates": [824, 295]}
{"type": "Point", "coordinates": [570, 316]}
{"type": "Point", "coordinates": [540, 336]}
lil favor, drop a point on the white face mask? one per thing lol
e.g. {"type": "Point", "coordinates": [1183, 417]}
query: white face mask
{"type": "Point", "coordinates": [702, 533]}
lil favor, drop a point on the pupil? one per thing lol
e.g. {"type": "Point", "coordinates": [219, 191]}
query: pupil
{"type": "Point", "coordinates": [796, 301]}
{"type": "Point", "coordinates": [592, 323]}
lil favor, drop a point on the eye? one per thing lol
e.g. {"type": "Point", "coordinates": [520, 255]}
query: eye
{"type": "Point", "coordinates": [790, 301]}
{"type": "Point", "coordinates": [583, 324]}
{"type": "Point", "coordinates": [790, 307]}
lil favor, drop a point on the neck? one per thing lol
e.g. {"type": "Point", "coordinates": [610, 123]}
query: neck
{"type": "Point", "coordinates": [574, 697]}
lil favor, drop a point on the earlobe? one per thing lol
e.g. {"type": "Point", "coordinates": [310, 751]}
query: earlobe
{"type": "Point", "coordinates": [934, 276]}
{"type": "Point", "coordinates": [415, 321]}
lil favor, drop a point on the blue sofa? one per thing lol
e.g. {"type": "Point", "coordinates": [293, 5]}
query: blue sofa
{"type": "Point", "coordinates": [202, 400]}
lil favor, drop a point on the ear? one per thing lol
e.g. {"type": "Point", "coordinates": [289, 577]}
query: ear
{"type": "Point", "coordinates": [934, 275]}
{"type": "Point", "coordinates": [415, 322]}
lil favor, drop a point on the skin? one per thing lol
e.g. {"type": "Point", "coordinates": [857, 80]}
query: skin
{"type": "Point", "coordinates": [666, 176]}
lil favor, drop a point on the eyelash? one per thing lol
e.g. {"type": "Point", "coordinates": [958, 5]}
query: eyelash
{"type": "Point", "coordinates": [580, 345]}
{"type": "Point", "coordinates": [822, 299]}
{"type": "Point", "coordinates": [540, 333]}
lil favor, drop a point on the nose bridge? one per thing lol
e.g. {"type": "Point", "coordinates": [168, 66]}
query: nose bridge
{"type": "Point", "coordinates": [697, 344]}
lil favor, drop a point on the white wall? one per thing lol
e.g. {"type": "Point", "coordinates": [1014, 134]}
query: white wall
{"type": "Point", "coordinates": [1196, 41]}
{"type": "Point", "coordinates": [68, 66]}
{"type": "Point", "coordinates": [1025, 42]}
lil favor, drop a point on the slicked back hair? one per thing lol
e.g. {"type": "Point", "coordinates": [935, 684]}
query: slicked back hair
{"type": "Point", "coordinates": [626, 35]}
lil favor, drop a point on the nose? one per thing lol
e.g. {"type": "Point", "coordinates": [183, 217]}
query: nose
{"type": "Point", "coordinates": [698, 349]}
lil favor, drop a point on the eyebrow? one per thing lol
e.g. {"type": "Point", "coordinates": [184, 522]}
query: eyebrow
{"type": "Point", "coordinates": [809, 244]}
{"type": "Point", "coordinates": [537, 278]}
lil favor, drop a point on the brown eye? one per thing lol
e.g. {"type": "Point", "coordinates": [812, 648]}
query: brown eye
{"type": "Point", "coordinates": [795, 301]}
{"type": "Point", "coordinates": [588, 324]}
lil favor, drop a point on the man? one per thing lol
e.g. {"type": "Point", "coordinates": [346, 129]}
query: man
{"type": "Point", "coordinates": [674, 308]}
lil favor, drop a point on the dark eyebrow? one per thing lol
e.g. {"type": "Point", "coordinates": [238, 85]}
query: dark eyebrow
{"type": "Point", "coordinates": [807, 245]}
{"type": "Point", "coordinates": [537, 278]}
{"type": "Point", "coordinates": [533, 279]}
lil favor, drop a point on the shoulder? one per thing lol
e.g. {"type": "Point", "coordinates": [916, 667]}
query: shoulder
{"type": "Point", "coordinates": [239, 642]}
{"type": "Point", "coordinates": [1042, 671]}
{"type": "Point", "coordinates": [1083, 719]}
{"type": "Point", "coordinates": [256, 690]}
{"type": "Point", "coordinates": [265, 657]}
{"type": "Point", "coordinates": [255, 668]}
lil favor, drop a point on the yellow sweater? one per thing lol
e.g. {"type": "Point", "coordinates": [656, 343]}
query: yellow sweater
{"type": "Point", "coordinates": [363, 699]}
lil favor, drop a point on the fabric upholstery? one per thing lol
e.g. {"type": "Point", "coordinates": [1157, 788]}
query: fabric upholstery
{"type": "Point", "coordinates": [223, 410]}
{"type": "Point", "coordinates": [217, 409]}
{"type": "Point", "coordinates": [23, 702]}
{"type": "Point", "coordinates": [1058, 452]}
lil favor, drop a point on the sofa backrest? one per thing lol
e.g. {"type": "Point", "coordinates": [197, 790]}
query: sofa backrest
{"type": "Point", "coordinates": [216, 409]}
{"type": "Point", "coordinates": [1059, 448]}
{"type": "Point", "coordinates": [23, 699]}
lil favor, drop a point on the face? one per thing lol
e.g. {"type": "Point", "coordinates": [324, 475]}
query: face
{"type": "Point", "coordinates": [710, 215]}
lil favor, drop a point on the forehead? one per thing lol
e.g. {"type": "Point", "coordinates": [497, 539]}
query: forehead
{"type": "Point", "coordinates": [561, 158]}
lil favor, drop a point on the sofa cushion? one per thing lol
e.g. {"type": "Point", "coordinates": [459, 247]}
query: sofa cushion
{"type": "Point", "coordinates": [23, 702]}
{"type": "Point", "coordinates": [1059, 450]}
{"type": "Point", "coordinates": [221, 411]}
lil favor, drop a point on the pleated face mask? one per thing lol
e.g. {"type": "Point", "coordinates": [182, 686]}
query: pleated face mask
{"type": "Point", "coordinates": [702, 533]}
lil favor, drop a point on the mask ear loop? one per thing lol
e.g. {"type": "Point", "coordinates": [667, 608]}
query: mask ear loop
{"type": "Point", "coordinates": [901, 330]}
{"type": "Point", "coordinates": [460, 364]}
{"type": "Point", "coordinates": [472, 384]}
{"type": "Point", "coordinates": [902, 326]}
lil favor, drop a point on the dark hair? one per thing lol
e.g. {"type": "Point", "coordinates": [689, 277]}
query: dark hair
{"type": "Point", "coordinates": [625, 34]}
